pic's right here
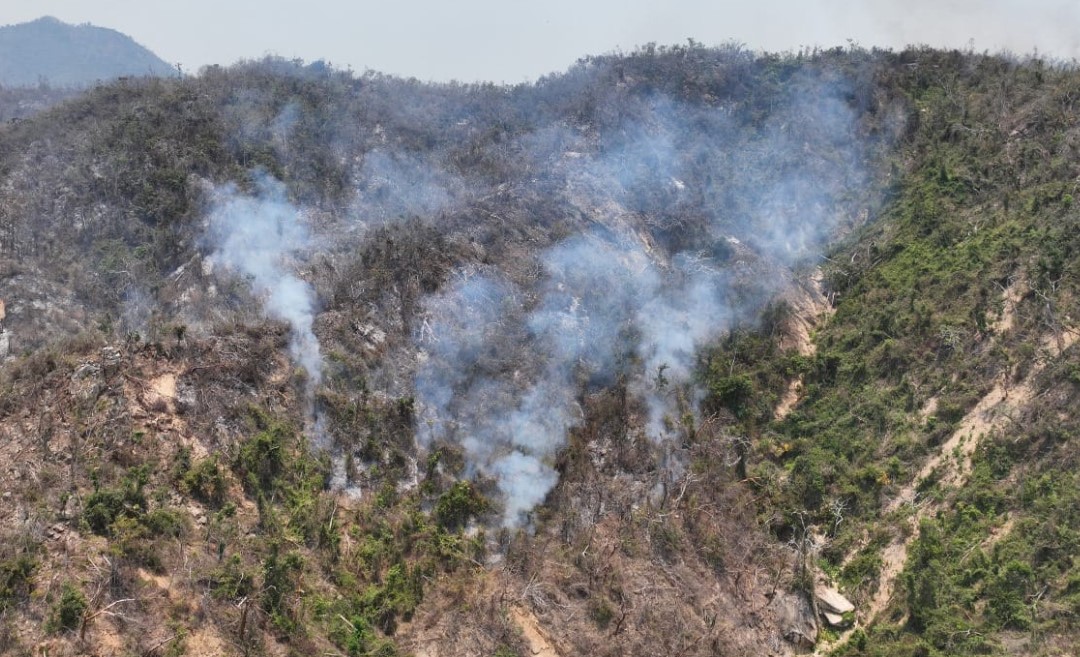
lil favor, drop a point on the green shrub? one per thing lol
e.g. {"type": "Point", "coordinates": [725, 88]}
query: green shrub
{"type": "Point", "coordinates": [601, 613]}
{"type": "Point", "coordinates": [165, 522]}
{"type": "Point", "coordinates": [454, 507]}
{"type": "Point", "coordinates": [104, 506]}
{"type": "Point", "coordinates": [1007, 592]}
{"type": "Point", "coordinates": [279, 580]}
{"type": "Point", "coordinates": [68, 612]}
{"type": "Point", "coordinates": [15, 577]}
{"type": "Point", "coordinates": [205, 482]}
{"type": "Point", "coordinates": [131, 540]}
{"type": "Point", "coordinates": [230, 580]}
{"type": "Point", "coordinates": [262, 458]}
{"type": "Point", "coordinates": [733, 392]}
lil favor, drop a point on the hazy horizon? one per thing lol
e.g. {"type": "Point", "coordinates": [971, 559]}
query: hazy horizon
{"type": "Point", "coordinates": [482, 40]}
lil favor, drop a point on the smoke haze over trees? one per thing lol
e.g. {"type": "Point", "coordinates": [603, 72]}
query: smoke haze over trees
{"type": "Point", "coordinates": [565, 351]}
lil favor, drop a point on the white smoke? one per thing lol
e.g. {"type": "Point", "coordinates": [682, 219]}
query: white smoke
{"type": "Point", "coordinates": [601, 304]}
{"type": "Point", "coordinates": [256, 236]}
{"type": "Point", "coordinates": [391, 185]}
{"type": "Point", "coordinates": [505, 364]}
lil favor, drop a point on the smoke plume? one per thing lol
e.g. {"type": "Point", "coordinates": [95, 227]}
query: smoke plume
{"type": "Point", "coordinates": [604, 308]}
{"type": "Point", "coordinates": [255, 236]}
{"type": "Point", "coordinates": [391, 185]}
{"type": "Point", "coordinates": [685, 209]}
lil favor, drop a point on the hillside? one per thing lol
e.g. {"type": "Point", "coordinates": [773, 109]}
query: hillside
{"type": "Point", "coordinates": [17, 103]}
{"type": "Point", "coordinates": [55, 53]}
{"type": "Point", "coordinates": [659, 355]}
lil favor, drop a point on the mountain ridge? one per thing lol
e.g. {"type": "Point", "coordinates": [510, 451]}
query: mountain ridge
{"type": "Point", "coordinates": [55, 53]}
{"type": "Point", "coordinates": [659, 355]}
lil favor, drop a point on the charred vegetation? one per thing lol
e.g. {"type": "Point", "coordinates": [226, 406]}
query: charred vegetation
{"type": "Point", "coordinates": [640, 358]}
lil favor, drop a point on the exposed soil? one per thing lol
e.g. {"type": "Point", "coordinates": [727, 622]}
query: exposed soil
{"type": "Point", "coordinates": [1010, 300]}
{"type": "Point", "coordinates": [810, 308]}
{"type": "Point", "coordinates": [534, 635]}
{"type": "Point", "coordinates": [165, 386]}
{"type": "Point", "coordinates": [789, 399]}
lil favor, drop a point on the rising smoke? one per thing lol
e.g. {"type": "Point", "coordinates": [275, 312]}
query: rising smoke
{"type": "Point", "coordinates": [605, 308]}
{"type": "Point", "coordinates": [641, 289]}
{"type": "Point", "coordinates": [392, 185]}
{"type": "Point", "coordinates": [679, 219]}
{"type": "Point", "coordinates": [256, 236]}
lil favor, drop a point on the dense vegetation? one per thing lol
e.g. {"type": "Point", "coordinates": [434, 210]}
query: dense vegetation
{"type": "Point", "coordinates": [978, 228]}
{"type": "Point", "coordinates": [172, 491]}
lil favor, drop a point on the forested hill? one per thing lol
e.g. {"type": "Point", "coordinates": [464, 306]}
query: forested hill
{"type": "Point", "coordinates": [49, 51]}
{"type": "Point", "coordinates": [677, 352]}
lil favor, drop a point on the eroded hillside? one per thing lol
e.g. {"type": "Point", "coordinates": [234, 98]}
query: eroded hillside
{"type": "Point", "coordinates": [627, 361]}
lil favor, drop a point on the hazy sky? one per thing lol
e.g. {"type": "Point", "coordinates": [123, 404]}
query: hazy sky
{"type": "Point", "coordinates": [513, 41]}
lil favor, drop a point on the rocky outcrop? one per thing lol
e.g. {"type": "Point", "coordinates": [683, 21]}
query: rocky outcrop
{"type": "Point", "coordinates": [834, 607]}
{"type": "Point", "coordinates": [797, 621]}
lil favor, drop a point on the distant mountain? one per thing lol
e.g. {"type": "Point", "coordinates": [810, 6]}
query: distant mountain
{"type": "Point", "coordinates": [71, 55]}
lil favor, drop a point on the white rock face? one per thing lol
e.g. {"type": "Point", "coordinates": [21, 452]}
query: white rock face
{"type": "Point", "coordinates": [830, 600]}
{"type": "Point", "coordinates": [5, 344]}
{"type": "Point", "coordinates": [835, 620]}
